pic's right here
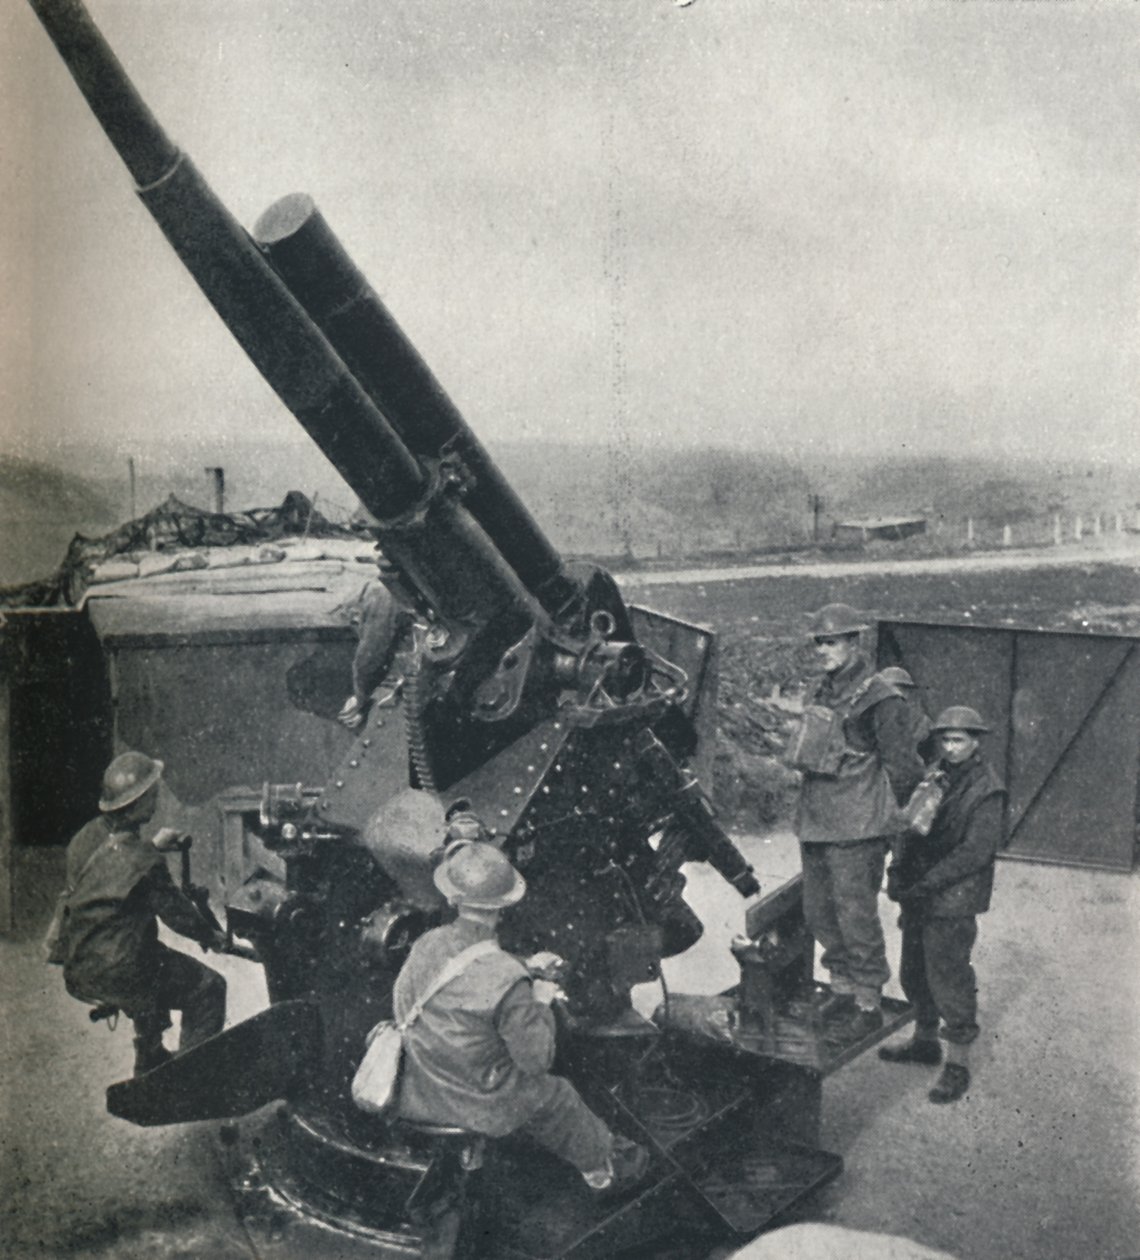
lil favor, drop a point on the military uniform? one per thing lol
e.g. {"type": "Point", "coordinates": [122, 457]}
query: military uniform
{"type": "Point", "coordinates": [479, 1056]}
{"type": "Point", "coordinates": [118, 883]}
{"type": "Point", "coordinates": [383, 628]}
{"type": "Point", "coordinates": [943, 882]}
{"type": "Point", "coordinates": [844, 822]}
{"type": "Point", "coordinates": [921, 733]}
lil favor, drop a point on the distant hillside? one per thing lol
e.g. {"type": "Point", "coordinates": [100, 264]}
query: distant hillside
{"type": "Point", "coordinates": [989, 490]}
{"type": "Point", "coordinates": [599, 500]}
{"type": "Point", "coordinates": [606, 500]}
{"type": "Point", "coordinates": [41, 508]}
{"type": "Point", "coordinates": [34, 491]}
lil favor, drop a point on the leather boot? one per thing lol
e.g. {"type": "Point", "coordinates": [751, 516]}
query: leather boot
{"type": "Point", "coordinates": [150, 1053]}
{"type": "Point", "coordinates": [862, 1022]}
{"type": "Point", "coordinates": [836, 1006]}
{"type": "Point", "coordinates": [919, 1050]}
{"type": "Point", "coordinates": [952, 1084]}
{"type": "Point", "coordinates": [627, 1167]}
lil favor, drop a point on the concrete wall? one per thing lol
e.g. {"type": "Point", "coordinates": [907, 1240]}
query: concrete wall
{"type": "Point", "coordinates": [222, 709]}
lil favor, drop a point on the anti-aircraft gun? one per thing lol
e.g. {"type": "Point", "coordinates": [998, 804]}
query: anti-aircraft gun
{"type": "Point", "coordinates": [536, 698]}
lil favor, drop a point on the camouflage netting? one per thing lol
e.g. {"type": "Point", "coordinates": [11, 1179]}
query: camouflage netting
{"type": "Point", "coordinates": [174, 526]}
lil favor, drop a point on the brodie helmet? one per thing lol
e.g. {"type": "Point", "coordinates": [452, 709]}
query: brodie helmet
{"type": "Point", "coordinates": [836, 619]}
{"type": "Point", "coordinates": [128, 777]}
{"type": "Point", "coordinates": [474, 873]}
{"type": "Point", "coordinates": [960, 717]}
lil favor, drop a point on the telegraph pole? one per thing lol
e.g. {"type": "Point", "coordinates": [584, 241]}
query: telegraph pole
{"type": "Point", "coordinates": [815, 505]}
{"type": "Point", "coordinates": [219, 476]}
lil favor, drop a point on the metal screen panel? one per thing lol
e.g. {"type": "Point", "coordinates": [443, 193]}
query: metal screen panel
{"type": "Point", "coordinates": [957, 665]}
{"type": "Point", "coordinates": [1066, 713]}
{"type": "Point", "coordinates": [1060, 680]}
{"type": "Point", "coordinates": [1084, 809]}
{"type": "Point", "coordinates": [225, 714]}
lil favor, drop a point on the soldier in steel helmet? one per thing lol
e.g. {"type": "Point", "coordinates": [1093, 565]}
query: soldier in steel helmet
{"type": "Point", "coordinates": [480, 1053]}
{"type": "Point", "coordinates": [902, 681]}
{"type": "Point", "coordinates": [847, 812]}
{"type": "Point", "coordinates": [382, 628]}
{"type": "Point", "coordinates": [943, 881]}
{"type": "Point", "coordinates": [117, 886]}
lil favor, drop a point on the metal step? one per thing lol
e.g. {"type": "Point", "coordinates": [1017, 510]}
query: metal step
{"type": "Point", "coordinates": [797, 1035]}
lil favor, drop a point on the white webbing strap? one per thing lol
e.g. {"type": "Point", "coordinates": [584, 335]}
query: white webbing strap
{"type": "Point", "coordinates": [453, 968]}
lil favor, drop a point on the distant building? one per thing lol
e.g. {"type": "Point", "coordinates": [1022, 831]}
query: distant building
{"type": "Point", "coordinates": [879, 527]}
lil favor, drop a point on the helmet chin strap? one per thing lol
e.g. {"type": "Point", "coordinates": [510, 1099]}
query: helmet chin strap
{"type": "Point", "coordinates": [138, 811]}
{"type": "Point", "coordinates": [488, 918]}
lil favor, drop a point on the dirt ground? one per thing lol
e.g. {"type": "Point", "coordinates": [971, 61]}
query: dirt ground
{"type": "Point", "coordinates": [1040, 1162]}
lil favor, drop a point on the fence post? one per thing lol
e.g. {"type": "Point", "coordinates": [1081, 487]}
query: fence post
{"type": "Point", "coordinates": [1078, 527]}
{"type": "Point", "coordinates": [1096, 525]}
{"type": "Point", "coordinates": [969, 529]}
{"type": "Point", "coordinates": [1120, 522]}
{"type": "Point", "coordinates": [1006, 535]}
{"type": "Point", "coordinates": [1056, 529]}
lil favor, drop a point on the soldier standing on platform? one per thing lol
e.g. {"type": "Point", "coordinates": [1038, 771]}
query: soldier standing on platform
{"type": "Point", "coordinates": [382, 627]}
{"type": "Point", "coordinates": [856, 752]}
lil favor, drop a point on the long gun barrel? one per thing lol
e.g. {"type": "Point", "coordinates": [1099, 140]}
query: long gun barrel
{"type": "Point", "coordinates": [440, 549]}
{"type": "Point", "coordinates": [345, 307]}
{"type": "Point", "coordinates": [268, 322]}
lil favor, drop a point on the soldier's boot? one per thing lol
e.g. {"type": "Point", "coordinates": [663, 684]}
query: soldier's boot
{"type": "Point", "coordinates": [625, 1169]}
{"type": "Point", "coordinates": [862, 1022]}
{"type": "Point", "coordinates": [150, 1053]}
{"type": "Point", "coordinates": [836, 1006]}
{"type": "Point", "coordinates": [922, 1048]}
{"type": "Point", "coordinates": [955, 1079]}
{"type": "Point", "coordinates": [952, 1084]}
{"type": "Point", "coordinates": [862, 1018]}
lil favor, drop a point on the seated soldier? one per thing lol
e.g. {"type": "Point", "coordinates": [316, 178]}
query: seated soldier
{"type": "Point", "coordinates": [117, 883]}
{"type": "Point", "coordinates": [479, 1055]}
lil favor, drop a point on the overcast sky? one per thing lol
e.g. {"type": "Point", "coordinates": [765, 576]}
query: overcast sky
{"type": "Point", "coordinates": [905, 226]}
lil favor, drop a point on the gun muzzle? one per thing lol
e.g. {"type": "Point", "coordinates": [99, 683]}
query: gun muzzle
{"type": "Point", "coordinates": [338, 298]}
{"type": "Point", "coordinates": [267, 321]}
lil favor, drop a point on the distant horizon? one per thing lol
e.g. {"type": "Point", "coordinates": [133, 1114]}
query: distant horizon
{"type": "Point", "coordinates": [43, 447]}
{"type": "Point", "coordinates": [589, 499]}
{"type": "Point", "coordinates": [259, 472]}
